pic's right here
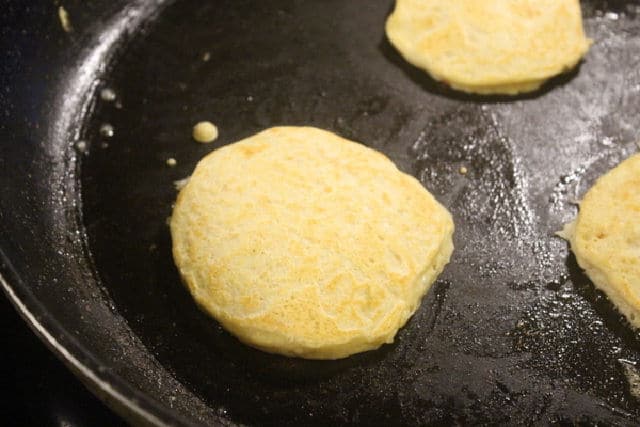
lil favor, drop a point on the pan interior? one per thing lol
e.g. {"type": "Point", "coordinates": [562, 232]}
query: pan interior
{"type": "Point", "coordinates": [512, 330]}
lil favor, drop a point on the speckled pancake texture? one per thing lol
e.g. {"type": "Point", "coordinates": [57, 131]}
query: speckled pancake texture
{"type": "Point", "coordinates": [606, 236]}
{"type": "Point", "coordinates": [489, 46]}
{"type": "Point", "coordinates": [303, 243]}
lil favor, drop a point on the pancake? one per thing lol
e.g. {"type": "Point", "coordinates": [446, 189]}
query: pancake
{"type": "Point", "coordinates": [305, 244]}
{"type": "Point", "coordinates": [489, 46]}
{"type": "Point", "coordinates": [605, 237]}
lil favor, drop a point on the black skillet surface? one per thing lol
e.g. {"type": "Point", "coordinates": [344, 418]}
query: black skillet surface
{"type": "Point", "coordinates": [512, 332]}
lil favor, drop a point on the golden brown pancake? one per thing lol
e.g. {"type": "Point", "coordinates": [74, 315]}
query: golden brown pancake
{"type": "Point", "coordinates": [606, 236]}
{"type": "Point", "coordinates": [303, 243]}
{"type": "Point", "coordinates": [489, 46]}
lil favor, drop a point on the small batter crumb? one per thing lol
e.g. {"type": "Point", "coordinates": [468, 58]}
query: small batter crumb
{"type": "Point", "coordinates": [64, 19]}
{"type": "Point", "coordinates": [180, 184]}
{"type": "Point", "coordinates": [463, 170]}
{"type": "Point", "coordinates": [205, 132]}
{"type": "Point", "coordinates": [171, 162]}
{"type": "Point", "coordinates": [206, 56]}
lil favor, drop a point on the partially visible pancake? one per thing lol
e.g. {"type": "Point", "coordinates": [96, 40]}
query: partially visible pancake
{"type": "Point", "coordinates": [303, 243]}
{"type": "Point", "coordinates": [606, 236]}
{"type": "Point", "coordinates": [489, 46]}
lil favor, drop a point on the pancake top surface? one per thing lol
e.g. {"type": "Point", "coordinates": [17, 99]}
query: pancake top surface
{"type": "Point", "coordinates": [606, 236]}
{"type": "Point", "coordinates": [303, 243]}
{"type": "Point", "coordinates": [489, 46]}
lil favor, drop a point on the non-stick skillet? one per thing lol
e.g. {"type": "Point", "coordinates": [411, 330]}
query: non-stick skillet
{"type": "Point", "coordinates": [512, 332]}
